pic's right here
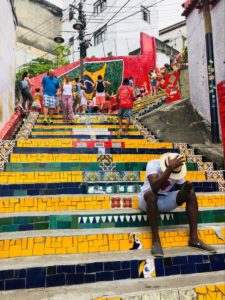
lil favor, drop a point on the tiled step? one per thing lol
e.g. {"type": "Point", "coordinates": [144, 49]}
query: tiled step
{"type": "Point", "coordinates": [80, 241]}
{"type": "Point", "coordinates": [96, 150]}
{"type": "Point", "coordinates": [60, 186]}
{"type": "Point", "coordinates": [117, 143]}
{"type": "Point", "coordinates": [83, 269]}
{"type": "Point", "coordinates": [91, 135]}
{"type": "Point", "coordinates": [89, 202]}
{"type": "Point", "coordinates": [78, 127]}
{"type": "Point", "coordinates": [101, 219]}
{"type": "Point", "coordinates": [56, 167]}
{"type": "Point", "coordinates": [191, 287]}
{"type": "Point", "coordinates": [79, 176]}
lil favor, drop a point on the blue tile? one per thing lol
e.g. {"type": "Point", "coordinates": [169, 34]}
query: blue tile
{"type": "Point", "coordinates": [216, 258]}
{"type": "Point", "coordinates": [104, 276]}
{"type": "Point", "coordinates": [20, 273]}
{"type": "Point", "coordinates": [201, 268]}
{"type": "Point", "coordinates": [94, 267]}
{"type": "Point", "coordinates": [51, 270]}
{"type": "Point", "coordinates": [122, 274]}
{"type": "Point", "coordinates": [35, 278]}
{"type": "Point", "coordinates": [7, 274]}
{"type": "Point", "coordinates": [25, 227]}
{"type": "Point", "coordinates": [14, 284]}
{"type": "Point", "coordinates": [74, 279]}
{"type": "Point", "coordinates": [179, 260]}
{"type": "Point", "coordinates": [167, 261]}
{"type": "Point", "coordinates": [173, 270]}
{"type": "Point", "coordinates": [217, 266]}
{"type": "Point", "coordinates": [125, 265]}
{"type": "Point", "coordinates": [66, 269]}
{"type": "Point", "coordinates": [2, 285]}
{"type": "Point", "coordinates": [159, 267]}
{"type": "Point", "coordinates": [192, 259]}
{"type": "Point", "coordinates": [134, 265]}
{"type": "Point", "coordinates": [112, 266]}
{"type": "Point", "coordinates": [55, 280]}
{"type": "Point", "coordinates": [188, 269]}
{"type": "Point", "coordinates": [88, 278]}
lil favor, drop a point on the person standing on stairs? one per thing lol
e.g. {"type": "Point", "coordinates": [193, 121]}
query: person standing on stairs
{"type": "Point", "coordinates": [67, 100]}
{"type": "Point", "coordinates": [25, 85]}
{"type": "Point", "coordinates": [125, 95]}
{"type": "Point", "coordinates": [165, 189]}
{"type": "Point", "coordinates": [50, 89]}
{"type": "Point", "coordinates": [99, 90]}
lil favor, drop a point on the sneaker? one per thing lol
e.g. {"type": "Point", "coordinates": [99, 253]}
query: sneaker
{"type": "Point", "coordinates": [45, 121]}
{"type": "Point", "coordinates": [202, 246]}
{"type": "Point", "coordinates": [157, 250]}
{"type": "Point", "coordinates": [50, 121]}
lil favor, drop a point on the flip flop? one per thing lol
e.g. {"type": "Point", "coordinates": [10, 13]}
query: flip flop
{"type": "Point", "coordinates": [157, 250]}
{"type": "Point", "coordinates": [202, 246]}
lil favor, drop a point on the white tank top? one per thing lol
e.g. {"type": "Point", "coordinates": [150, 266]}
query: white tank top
{"type": "Point", "coordinates": [67, 89]}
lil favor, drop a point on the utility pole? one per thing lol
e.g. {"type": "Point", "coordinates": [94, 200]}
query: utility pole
{"type": "Point", "coordinates": [82, 19]}
{"type": "Point", "coordinates": [211, 72]}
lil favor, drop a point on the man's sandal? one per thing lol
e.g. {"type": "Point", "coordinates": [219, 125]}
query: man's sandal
{"type": "Point", "coordinates": [202, 246]}
{"type": "Point", "coordinates": [157, 250]}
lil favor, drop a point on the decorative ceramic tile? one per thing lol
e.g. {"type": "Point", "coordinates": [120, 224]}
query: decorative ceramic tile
{"type": "Point", "coordinates": [181, 146]}
{"type": "Point", "coordinates": [105, 158]}
{"type": "Point", "coordinates": [146, 268]}
{"type": "Point", "coordinates": [107, 166]}
{"type": "Point", "coordinates": [215, 175]}
{"type": "Point", "coordinates": [187, 151]}
{"type": "Point", "coordinates": [135, 242]}
{"type": "Point", "coordinates": [194, 158]}
{"type": "Point", "coordinates": [92, 176]}
{"type": "Point", "coordinates": [205, 166]}
{"type": "Point", "coordinates": [6, 147]}
{"type": "Point", "coordinates": [221, 185]}
{"type": "Point", "coordinates": [131, 176]}
{"type": "Point", "coordinates": [116, 202]}
{"type": "Point", "coordinates": [2, 166]}
{"type": "Point", "coordinates": [27, 126]}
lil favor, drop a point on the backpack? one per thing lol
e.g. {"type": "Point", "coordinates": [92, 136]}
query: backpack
{"type": "Point", "coordinates": [100, 88]}
{"type": "Point", "coordinates": [22, 84]}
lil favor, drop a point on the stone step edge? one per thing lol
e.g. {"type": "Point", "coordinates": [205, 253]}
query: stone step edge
{"type": "Point", "coordinates": [68, 259]}
{"type": "Point", "coordinates": [111, 211]}
{"type": "Point", "coordinates": [118, 289]}
{"type": "Point", "coordinates": [102, 231]}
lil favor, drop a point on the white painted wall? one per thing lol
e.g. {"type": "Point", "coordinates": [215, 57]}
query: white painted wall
{"type": "Point", "coordinates": [162, 59]}
{"type": "Point", "coordinates": [7, 62]}
{"type": "Point", "coordinates": [218, 18]}
{"type": "Point", "coordinates": [122, 37]}
{"type": "Point", "coordinates": [176, 37]}
{"type": "Point", "coordinates": [198, 63]}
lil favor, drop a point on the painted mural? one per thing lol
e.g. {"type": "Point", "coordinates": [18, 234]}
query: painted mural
{"type": "Point", "coordinates": [114, 68]}
{"type": "Point", "coordinates": [111, 71]}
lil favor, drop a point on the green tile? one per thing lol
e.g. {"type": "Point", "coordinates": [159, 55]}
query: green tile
{"type": "Point", "coordinates": [41, 226]}
{"type": "Point", "coordinates": [63, 225]}
{"type": "Point", "coordinates": [6, 221]}
{"type": "Point", "coordinates": [10, 228]}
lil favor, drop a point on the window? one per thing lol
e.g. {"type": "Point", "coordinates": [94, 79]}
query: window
{"type": "Point", "coordinates": [99, 6]}
{"type": "Point", "coordinates": [145, 14]}
{"type": "Point", "coordinates": [100, 35]}
{"type": "Point", "coordinates": [71, 41]}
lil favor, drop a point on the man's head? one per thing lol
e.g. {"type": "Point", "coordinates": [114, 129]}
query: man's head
{"type": "Point", "coordinates": [126, 81]}
{"type": "Point", "coordinates": [99, 77]}
{"type": "Point", "coordinates": [51, 73]}
{"type": "Point", "coordinates": [77, 80]}
{"type": "Point", "coordinates": [177, 173]}
{"type": "Point", "coordinates": [67, 77]}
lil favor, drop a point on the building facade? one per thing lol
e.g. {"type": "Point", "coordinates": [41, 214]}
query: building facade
{"type": "Point", "coordinates": [197, 52]}
{"type": "Point", "coordinates": [7, 60]}
{"type": "Point", "coordinates": [174, 35]}
{"type": "Point", "coordinates": [38, 23]}
{"type": "Point", "coordinates": [111, 34]}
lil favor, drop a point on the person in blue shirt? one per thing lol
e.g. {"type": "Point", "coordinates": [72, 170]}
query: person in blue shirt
{"type": "Point", "coordinates": [50, 86]}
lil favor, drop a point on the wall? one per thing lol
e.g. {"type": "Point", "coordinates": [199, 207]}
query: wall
{"type": "Point", "coordinates": [39, 22]}
{"type": "Point", "coordinates": [7, 61]}
{"type": "Point", "coordinates": [115, 68]}
{"type": "Point", "coordinates": [218, 18]}
{"type": "Point", "coordinates": [198, 63]}
{"type": "Point", "coordinates": [122, 37]}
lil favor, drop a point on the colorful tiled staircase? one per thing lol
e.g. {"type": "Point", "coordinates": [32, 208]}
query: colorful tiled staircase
{"type": "Point", "coordinates": [69, 216]}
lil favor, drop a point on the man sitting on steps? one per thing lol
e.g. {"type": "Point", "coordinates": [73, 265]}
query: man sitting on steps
{"type": "Point", "coordinates": [158, 195]}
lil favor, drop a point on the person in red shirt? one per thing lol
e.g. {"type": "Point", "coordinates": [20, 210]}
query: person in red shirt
{"type": "Point", "coordinates": [125, 95]}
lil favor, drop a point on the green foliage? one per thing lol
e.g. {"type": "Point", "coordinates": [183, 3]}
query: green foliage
{"type": "Point", "coordinates": [185, 55]}
{"type": "Point", "coordinates": [42, 65]}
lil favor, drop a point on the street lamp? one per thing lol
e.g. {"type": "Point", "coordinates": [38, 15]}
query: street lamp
{"type": "Point", "coordinates": [78, 26]}
{"type": "Point", "coordinates": [59, 39]}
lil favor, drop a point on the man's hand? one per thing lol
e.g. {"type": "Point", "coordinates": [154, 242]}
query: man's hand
{"type": "Point", "coordinates": [175, 162]}
{"type": "Point", "coordinates": [188, 186]}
